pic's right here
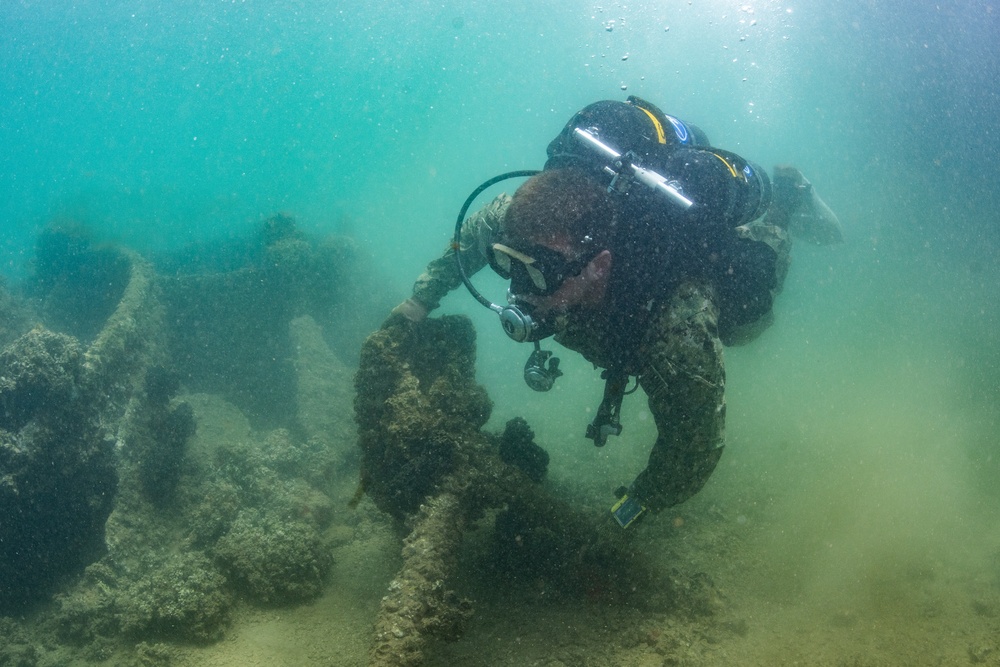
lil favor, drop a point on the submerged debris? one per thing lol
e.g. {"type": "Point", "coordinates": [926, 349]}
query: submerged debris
{"type": "Point", "coordinates": [140, 510]}
{"type": "Point", "coordinates": [59, 472]}
{"type": "Point", "coordinates": [426, 463]}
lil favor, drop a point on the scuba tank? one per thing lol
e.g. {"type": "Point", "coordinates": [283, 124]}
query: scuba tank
{"type": "Point", "coordinates": [723, 185]}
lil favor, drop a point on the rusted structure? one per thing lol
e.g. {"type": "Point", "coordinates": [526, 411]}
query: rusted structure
{"type": "Point", "coordinates": [427, 463]}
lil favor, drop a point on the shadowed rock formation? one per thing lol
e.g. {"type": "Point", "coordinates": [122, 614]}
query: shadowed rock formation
{"type": "Point", "coordinates": [426, 462]}
{"type": "Point", "coordinates": [60, 403]}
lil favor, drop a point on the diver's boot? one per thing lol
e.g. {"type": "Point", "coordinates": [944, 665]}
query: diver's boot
{"type": "Point", "coordinates": [800, 209]}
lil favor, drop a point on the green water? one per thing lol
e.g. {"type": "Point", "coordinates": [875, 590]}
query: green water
{"type": "Point", "coordinates": [862, 426]}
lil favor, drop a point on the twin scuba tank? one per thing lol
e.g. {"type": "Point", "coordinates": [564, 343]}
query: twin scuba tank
{"type": "Point", "coordinates": [718, 186]}
{"type": "Point", "coordinates": [710, 193]}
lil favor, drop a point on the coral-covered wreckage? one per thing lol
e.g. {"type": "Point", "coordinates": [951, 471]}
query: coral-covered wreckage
{"type": "Point", "coordinates": [169, 434]}
{"type": "Point", "coordinates": [179, 436]}
{"type": "Point", "coordinates": [427, 463]}
{"type": "Point", "coordinates": [57, 462]}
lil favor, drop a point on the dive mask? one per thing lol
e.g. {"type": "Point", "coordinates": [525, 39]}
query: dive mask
{"type": "Point", "coordinates": [515, 318]}
{"type": "Point", "coordinates": [536, 270]}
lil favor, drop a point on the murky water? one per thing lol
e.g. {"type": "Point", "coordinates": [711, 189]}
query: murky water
{"type": "Point", "coordinates": [853, 518]}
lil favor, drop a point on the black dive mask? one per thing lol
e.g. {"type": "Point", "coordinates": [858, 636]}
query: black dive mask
{"type": "Point", "coordinates": [536, 269]}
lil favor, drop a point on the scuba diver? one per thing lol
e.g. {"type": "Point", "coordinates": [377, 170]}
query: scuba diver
{"type": "Point", "coordinates": [646, 250]}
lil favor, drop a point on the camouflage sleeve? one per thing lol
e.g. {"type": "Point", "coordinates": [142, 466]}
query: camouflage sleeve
{"type": "Point", "coordinates": [684, 377]}
{"type": "Point", "coordinates": [442, 275]}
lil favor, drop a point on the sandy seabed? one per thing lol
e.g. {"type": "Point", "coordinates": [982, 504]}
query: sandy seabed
{"type": "Point", "coordinates": [768, 612]}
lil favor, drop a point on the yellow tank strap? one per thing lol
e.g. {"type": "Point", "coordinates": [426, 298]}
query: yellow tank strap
{"type": "Point", "coordinates": [728, 166]}
{"type": "Point", "coordinates": [660, 136]}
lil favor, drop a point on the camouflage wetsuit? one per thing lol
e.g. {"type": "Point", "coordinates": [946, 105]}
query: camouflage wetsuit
{"type": "Point", "coordinates": [679, 360]}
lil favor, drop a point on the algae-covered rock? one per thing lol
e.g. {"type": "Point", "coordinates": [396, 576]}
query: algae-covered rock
{"type": "Point", "coordinates": [40, 370]}
{"type": "Point", "coordinates": [274, 560]}
{"type": "Point", "coordinates": [183, 597]}
{"type": "Point", "coordinates": [311, 459]}
{"type": "Point", "coordinates": [258, 505]}
{"type": "Point", "coordinates": [155, 654]}
{"type": "Point", "coordinates": [244, 522]}
{"type": "Point", "coordinates": [57, 469]}
{"type": "Point", "coordinates": [89, 610]}
{"type": "Point", "coordinates": [417, 399]}
{"type": "Point", "coordinates": [179, 596]}
{"type": "Point", "coordinates": [16, 648]}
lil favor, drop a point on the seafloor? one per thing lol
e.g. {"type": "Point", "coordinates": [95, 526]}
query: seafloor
{"type": "Point", "coordinates": [216, 401]}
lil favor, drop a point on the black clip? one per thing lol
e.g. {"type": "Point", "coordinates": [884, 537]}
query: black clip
{"type": "Point", "coordinates": [607, 421]}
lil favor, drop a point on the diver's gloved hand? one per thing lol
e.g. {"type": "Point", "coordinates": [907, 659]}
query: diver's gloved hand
{"type": "Point", "coordinates": [629, 507]}
{"type": "Point", "coordinates": [410, 310]}
{"type": "Point", "coordinates": [803, 213]}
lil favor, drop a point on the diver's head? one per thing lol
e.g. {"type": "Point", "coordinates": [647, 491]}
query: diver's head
{"type": "Point", "coordinates": [554, 243]}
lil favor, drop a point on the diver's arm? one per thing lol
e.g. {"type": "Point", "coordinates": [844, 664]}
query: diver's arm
{"type": "Point", "coordinates": [684, 378]}
{"type": "Point", "coordinates": [441, 275]}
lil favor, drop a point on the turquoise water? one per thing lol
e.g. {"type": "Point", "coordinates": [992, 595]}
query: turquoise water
{"type": "Point", "coordinates": [866, 415]}
{"type": "Point", "coordinates": [163, 122]}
